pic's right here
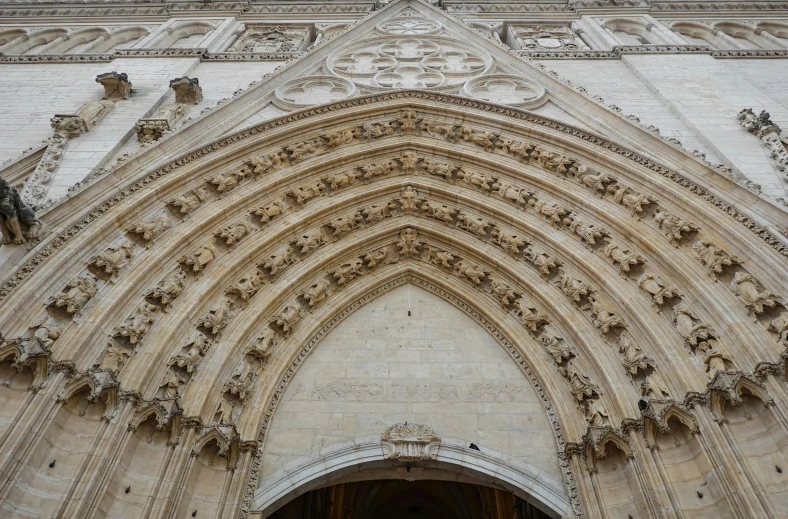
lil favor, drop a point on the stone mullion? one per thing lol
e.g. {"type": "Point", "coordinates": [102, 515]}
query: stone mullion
{"type": "Point", "coordinates": [115, 444]}
{"type": "Point", "coordinates": [232, 501]}
{"type": "Point", "coordinates": [227, 485]}
{"type": "Point", "coordinates": [165, 503]}
{"type": "Point", "coordinates": [666, 484]}
{"type": "Point", "coordinates": [27, 433]}
{"type": "Point", "coordinates": [778, 405]}
{"type": "Point", "coordinates": [86, 471]}
{"type": "Point", "coordinates": [650, 475]}
{"type": "Point", "coordinates": [728, 468]}
{"type": "Point", "coordinates": [160, 474]}
{"type": "Point", "coordinates": [593, 471]}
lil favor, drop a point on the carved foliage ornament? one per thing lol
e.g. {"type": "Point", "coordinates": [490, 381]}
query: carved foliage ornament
{"type": "Point", "coordinates": [410, 443]}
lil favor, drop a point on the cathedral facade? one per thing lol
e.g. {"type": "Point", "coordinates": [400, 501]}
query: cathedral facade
{"type": "Point", "coordinates": [353, 259]}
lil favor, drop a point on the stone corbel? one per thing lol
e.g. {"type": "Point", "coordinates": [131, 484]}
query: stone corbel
{"type": "Point", "coordinates": [187, 92]}
{"type": "Point", "coordinates": [410, 443]}
{"type": "Point", "coordinates": [70, 126]}
{"type": "Point", "coordinates": [762, 127]}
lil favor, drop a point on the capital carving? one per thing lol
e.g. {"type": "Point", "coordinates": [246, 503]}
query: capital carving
{"type": "Point", "coordinates": [410, 443]}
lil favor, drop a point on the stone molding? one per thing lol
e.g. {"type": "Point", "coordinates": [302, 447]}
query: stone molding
{"type": "Point", "coordinates": [31, 264]}
{"type": "Point", "coordinates": [369, 452]}
{"type": "Point", "coordinates": [202, 54]}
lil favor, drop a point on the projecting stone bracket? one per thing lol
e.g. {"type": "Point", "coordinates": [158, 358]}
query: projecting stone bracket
{"type": "Point", "coordinates": [410, 443]}
{"type": "Point", "coordinates": [762, 127]}
{"type": "Point", "coordinates": [187, 92]}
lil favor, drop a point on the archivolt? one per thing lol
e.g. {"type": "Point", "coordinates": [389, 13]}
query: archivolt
{"type": "Point", "coordinates": [555, 187]}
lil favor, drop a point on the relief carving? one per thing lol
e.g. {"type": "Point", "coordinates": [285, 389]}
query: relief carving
{"type": "Point", "coordinates": [555, 344]}
{"type": "Point", "coordinates": [746, 289]}
{"type": "Point", "coordinates": [595, 413]}
{"type": "Point", "coordinates": [217, 318]}
{"type": "Point", "coordinates": [440, 258]}
{"type": "Point", "coordinates": [344, 225]}
{"type": "Point", "coordinates": [311, 241]}
{"type": "Point", "coordinates": [289, 317]}
{"type": "Point", "coordinates": [279, 260]}
{"type": "Point", "coordinates": [654, 387]}
{"type": "Point", "coordinates": [480, 180]}
{"type": "Point", "coordinates": [440, 212]}
{"type": "Point", "coordinates": [138, 324]}
{"type": "Point", "coordinates": [47, 330]}
{"type": "Point", "coordinates": [603, 318]}
{"type": "Point", "coordinates": [408, 200]}
{"type": "Point", "coordinates": [572, 288]}
{"type": "Point", "coordinates": [655, 286]}
{"type": "Point", "coordinates": [247, 286]}
{"type": "Point", "coordinates": [520, 197]}
{"type": "Point", "coordinates": [712, 257]}
{"type": "Point", "coordinates": [588, 233]}
{"type": "Point", "coordinates": [13, 213]}
{"type": "Point", "coordinates": [631, 199]}
{"type": "Point", "coordinates": [274, 209]}
{"type": "Point", "coordinates": [233, 233]}
{"type": "Point", "coordinates": [634, 358]}
{"type": "Point", "coordinates": [552, 212]}
{"type": "Point", "coordinates": [673, 226]}
{"type": "Point", "coordinates": [408, 244]}
{"type": "Point", "coordinates": [541, 261]}
{"type": "Point", "coordinates": [621, 255]}
{"type": "Point", "coordinates": [581, 386]}
{"type": "Point", "coordinates": [151, 228]}
{"type": "Point", "coordinates": [342, 180]}
{"type": "Point", "coordinates": [76, 294]}
{"type": "Point", "coordinates": [409, 443]}
{"type": "Point", "coordinates": [192, 353]}
{"type": "Point", "coordinates": [114, 258]}
{"type": "Point", "coordinates": [377, 213]}
{"type": "Point", "coordinates": [503, 291]}
{"type": "Point", "coordinates": [374, 171]}
{"type": "Point", "coordinates": [779, 325]}
{"type": "Point", "coordinates": [316, 293]}
{"type": "Point", "coordinates": [348, 271]}
{"type": "Point", "coordinates": [304, 194]}
{"type": "Point", "coordinates": [529, 315]}
{"type": "Point", "coordinates": [694, 334]}
{"type": "Point", "coordinates": [379, 257]}
{"type": "Point", "coordinates": [226, 182]}
{"type": "Point", "coordinates": [511, 243]}
{"type": "Point", "coordinates": [463, 268]}
{"type": "Point", "coordinates": [268, 162]}
{"type": "Point", "coordinates": [198, 260]}
{"type": "Point", "coordinates": [168, 288]}
{"type": "Point", "coordinates": [190, 200]}
{"type": "Point", "coordinates": [472, 224]}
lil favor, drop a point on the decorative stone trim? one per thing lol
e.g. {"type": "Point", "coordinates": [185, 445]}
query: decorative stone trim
{"type": "Point", "coordinates": [754, 53]}
{"type": "Point", "coordinates": [58, 58]}
{"type": "Point", "coordinates": [202, 54]}
{"type": "Point", "coordinates": [250, 56]}
{"type": "Point", "coordinates": [617, 52]}
{"type": "Point", "coordinates": [169, 53]}
{"type": "Point", "coordinates": [30, 266]}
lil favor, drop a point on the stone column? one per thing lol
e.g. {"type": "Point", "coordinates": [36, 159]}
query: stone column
{"type": "Point", "coordinates": [235, 494]}
{"type": "Point", "coordinates": [727, 39]}
{"type": "Point", "coordinates": [658, 496]}
{"type": "Point", "coordinates": [768, 36]}
{"type": "Point", "coordinates": [170, 487]}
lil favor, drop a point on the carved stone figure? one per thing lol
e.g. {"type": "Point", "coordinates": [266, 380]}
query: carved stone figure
{"type": "Point", "coordinates": [47, 330]}
{"type": "Point", "coordinates": [380, 129]}
{"type": "Point", "coordinates": [168, 288]}
{"type": "Point", "coordinates": [142, 320]}
{"type": "Point", "coordinates": [279, 260]}
{"type": "Point", "coordinates": [673, 226]}
{"type": "Point", "coordinates": [631, 199]}
{"type": "Point", "coordinates": [340, 137]}
{"type": "Point", "coordinates": [303, 150]}
{"type": "Point", "coordinates": [152, 228]}
{"type": "Point", "coordinates": [473, 272]}
{"type": "Point", "coordinates": [480, 180]}
{"type": "Point", "coordinates": [373, 171]}
{"type": "Point", "coordinates": [114, 358]}
{"type": "Point", "coordinates": [344, 225]}
{"type": "Point", "coordinates": [541, 260]}
{"type": "Point", "coordinates": [654, 387]}
{"type": "Point", "coordinates": [226, 182]}
{"type": "Point", "coordinates": [408, 200]}
{"type": "Point", "coordinates": [623, 256]}
{"type": "Point", "coordinates": [76, 294]}
{"type": "Point", "coordinates": [348, 271]}
{"type": "Point", "coordinates": [311, 241]}
{"type": "Point", "coordinates": [603, 318]}
{"type": "Point", "coordinates": [408, 244]}
{"type": "Point", "coordinates": [715, 360]}
{"type": "Point", "coordinates": [655, 286]}
{"type": "Point", "coordinates": [377, 213]}
{"type": "Point", "coordinates": [268, 162]}
{"type": "Point", "coordinates": [473, 224]}
{"type": "Point", "coordinates": [265, 39]}
{"type": "Point", "coordinates": [200, 258]}
{"type": "Point", "coordinates": [247, 286]}
{"type": "Point", "coordinates": [505, 293]}
{"type": "Point", "coordinates": [192, 353]}
{"type": "Point", "coordinates": [151, 130]}
{"type": "Point", "coordinates": [408, 160]}
{"type": "Point", "coordinates": [170, 385]}
{"type": "Point", "coordinates": [317, 292]}
{"type": "Point", "coordinates": [588, 232]}
{"type": "Point", "coordinates": [189, 201]}
{"type": "Point", "coordinates": [484, 139]}
{"type": "Point", "coordinates": [434, 129]}
{"type": "Point", "coordinates": [407, 121]}
{"type": "Point", "coordinates": [519, 196]}
{"type": "Point", "coordinates": [304, 194]}
{"type": "Point", "coordinates": [13, 213]}
{"type": "Point", "coordinates": [274, 209]}
{"type": "Point", "coordinates": [634, 359]}
{"type": "Point", "coordinates": [595, 413]}
{"type": "Point", "coordinates": [572, 288]}
{"type": "Point", "coordinates": [581, 385]}
{"type": "Point", "coordinates": [266, 343]}
{"type": "Point", "coordinates": [555, 345]}
{"type": "Point", "coordinates": [378, 257]}
{"type": "Point", "coordinates": [225, 411]}
{"type": "Point", "coordinates": [438, 169]}
{"type": "Point", "coordinates": [439, 212]}
{"type": "Point", "coordinates": [597, 183]}
{"type": "Point", "coordinates": [114, 258]}
{"type": "Point", "coordinates": [441, 258]}
{"type": "Point", "coordinates": [242, 379]}
{"type": "Point", "coordinates": [779, 325]}
{"type": "Point", "coordinates": [232, 234]}
{"type": "Point", "coordinates": [746, 289]}
{"type": "Point", "coordinates": [289, 317]}
{"type": "Point", "coordinates": [711, 257]}
{"type": "Point", "coordinates": [511, 243]}
{"type": "Point", "coordinates": [694, 334]}
{"type": "Point", "coordinates": [217, 318]}
{"type": "Point", "coordinates": [529, 315]}
{"type": "Point", "coordinates": [550, 211]}
{"type": "Point", "coordinates": [342, 180]}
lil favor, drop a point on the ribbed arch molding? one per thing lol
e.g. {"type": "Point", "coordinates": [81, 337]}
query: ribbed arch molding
{"type": "Point", "coordinates": [601, 268]}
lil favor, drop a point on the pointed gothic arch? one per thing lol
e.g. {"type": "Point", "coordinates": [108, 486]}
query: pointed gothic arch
{"type": "Point", "coordinates": [546, 165]}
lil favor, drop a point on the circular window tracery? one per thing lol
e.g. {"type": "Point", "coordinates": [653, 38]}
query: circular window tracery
{"type": "Point", "coordinates": [506, 90]}
{"type": "Point", "coordinates": [455, 62]}
{"type": "Point", "coordinates": [410, 49]}
{"type": "Point", "coordinates": [410, 76]}
{"type": "Point", "coordinates": [409, 25]}
{"type": "Point", "coordinates": [312, 90]}
{"type": "Point", "coordinates": [364, 63]}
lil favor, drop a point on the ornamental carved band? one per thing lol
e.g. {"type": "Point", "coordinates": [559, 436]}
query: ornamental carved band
{"type": "Point", "coordinates": [410, 443]}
